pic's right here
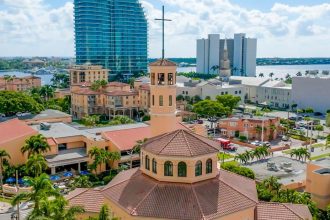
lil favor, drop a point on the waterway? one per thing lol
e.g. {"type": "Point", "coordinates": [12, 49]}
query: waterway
{"type": "Point", "coordinates": [280, 71]}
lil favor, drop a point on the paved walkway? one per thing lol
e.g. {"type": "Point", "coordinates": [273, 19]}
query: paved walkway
{"type": "Point", "coordinates": [4, 207]}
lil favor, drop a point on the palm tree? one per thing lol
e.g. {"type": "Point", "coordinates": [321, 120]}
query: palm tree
{"type": "Point", "coordinates": [42, 188]}
{"type": "Point", "coordinates": [35, 145]}
{"type": "Point", "coordinates": [95, 154]}
{"type": "Point", "coordinates": [299, 74]}
{"type": "Point", "coordinates": [214, 68]}
{"type": "Point", "coordinates": [271, 75]}
{"type": "Point", "coordinates": [113, 156]}
{"type": "Point", "coordinates": [272, 184]}
{"type": "Point", "coordinates": [104, 213]}
{"type": "Point", "coordinates": [36, 164]}
{"type": "Point", "coordinates": [3, 154]}
{"type": "Point", "coordinates": [47, 92]}
{"type": "Point", "coordinates": [261, 75]}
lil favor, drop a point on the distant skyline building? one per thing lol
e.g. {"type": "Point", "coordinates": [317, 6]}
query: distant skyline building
{"type": "Point", "coordinates": [242, 54]}
{"type": "Point", "coordinates": [111, 33]}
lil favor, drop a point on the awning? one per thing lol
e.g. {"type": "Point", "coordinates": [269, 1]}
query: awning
{"type": "Point", "coordinates": [67, 157]}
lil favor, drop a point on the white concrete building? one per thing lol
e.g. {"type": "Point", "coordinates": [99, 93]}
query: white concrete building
{"type": "Point", "coordinates": [208, 54]}
{"type": "Point", "coordinates": [311, 92]}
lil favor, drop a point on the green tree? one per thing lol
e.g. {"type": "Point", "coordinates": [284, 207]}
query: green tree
{"type": "Point", "coordinates": [179, 98]}
{"type": "Point", "coordinates": [36, 164]}
{"type": "Point", "coordinates": [104, 213]}
{"type": "Point", "coordinates": [47, 92]}
{"type": "Point", "coordinates": [228, 100]}
{"type": "Point", "coordinates": [91, 120]}
{"type": "Point", "coordinates": [81, 182]}
{"type": "Point", "coordinates": [36, 144]}
{"type": "Point", "coordinates": [12, 102]}
{"type": "Point", "coordinates": [3, 155]}
{"type": "Point", "coordinates": [42, 188]}
{"type": "Point", "coordinates": [210, 108]}
{"type": "Point", "coordinates": [61, 80]}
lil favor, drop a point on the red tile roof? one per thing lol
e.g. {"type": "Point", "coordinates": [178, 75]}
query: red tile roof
{"type": "Point", "coordinates": [127, 138]}
{"type": "Point", "coordinates": [13, 129]}
{"type": "Point", "coordinates": [85, 91]}
{"type": "Point", "coordinates": [282, 211]}
{"type": "Point", "coordinates": [162, 62]}
{"type": "Point", "coordinates": [122, 93]}
{"type": "Point", "coordinates": [90, 199]}
{"type": "Point", "coordinates": [143, 196]}
{"type": "Point", "coordinates": [181, 143]}
{"type": "Point", "coordinates": [117, 84]}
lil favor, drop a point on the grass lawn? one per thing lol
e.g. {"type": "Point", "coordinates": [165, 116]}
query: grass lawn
{"type": "Point", "coordinates": [317, 145]}
{"type": "Point", "coordinates": [5, 200]}
{"type": "Point", "coordinates": [320, 156]}
{"type": "Point", "coordinates": [287, 151]}
{"type": "Point", "coordinates": [233, 162]}
{"type": "Point", "coordinates": [225, 156]}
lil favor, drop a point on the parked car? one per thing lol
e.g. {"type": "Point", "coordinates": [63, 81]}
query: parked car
{"type": "Point", "coordinates": [199, 121]}
{"type": "Point", "coordinates": [266, 143]}
{"type": "Point", "coordinates": [230, 147]}
{"type": "Point", "coordinates": [256, 143]}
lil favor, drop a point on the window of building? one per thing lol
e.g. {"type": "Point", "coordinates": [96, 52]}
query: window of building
{"type": "Point", "coordinates": [198, 168]}
{"type": "Point", "coordinates": [168, 168]}
{"type": "Point", "coordinates": [226, 93]}
{"type": "Point", "coordinates": [182, 169]}
{"type": "Point", "coordinates": [209, 166]}
{"type": "Point", "coordinates": [170, 79]}
{"type": "Point", "coordinates": [147, 163]}
{"type": "Point", "coordinates": [153, 100]}
{"type": "Point", "coordinates": [62, 147]}
{"type": "Point", "coordinates": [152, 78]}
{"type": "Point", "coordinates": [183, 92]}
{"type": "Point", "coordinates": [170, 100]}
{"type": "Point", "coordinates": [161, 101]}
{"type": "Point", "coordinates": [239, 92]}
{"type": "Point", "coordinates": [236, 92]}
{"type": "Point", "coordinates": [186, 92]}
{"type": "Point", "coordinates": [232, 124]}
{"type": "Point", "coordinates": [222, 93]}
{"type": "Point", "coordinates": [142, 158]}
{"type": "Point", "coordinates": [154, 165]}
{"type": "Point", "coordinates": [161, 78]}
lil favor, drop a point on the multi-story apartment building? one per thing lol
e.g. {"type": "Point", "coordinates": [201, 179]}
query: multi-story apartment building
{"type": "Point", "coordinates": [242, 53]}
{"type": "Point", "coordinates": [113, 34]}
{"type": "Point", "coordinates": [13, 83]}
{"type": "Point", "coordinates": [87, 73]}
{"type": "Point", "coordinates": [250, 127]}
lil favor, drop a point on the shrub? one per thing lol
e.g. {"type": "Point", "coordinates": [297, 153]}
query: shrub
{"type": "Point", "coordinates": [242, 138]}
{"type": "Point", "coordinates": [146, 118]}
{"type": "Point", "coordinates": [243, 171]}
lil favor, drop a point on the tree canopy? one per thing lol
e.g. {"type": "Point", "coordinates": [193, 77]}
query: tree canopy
{"type": "Point", "coordinates": [210, 108]}
{"type": "Point", "coordinates": [12, 102]}
{"type": "Point", "coordinates": [228, 100]}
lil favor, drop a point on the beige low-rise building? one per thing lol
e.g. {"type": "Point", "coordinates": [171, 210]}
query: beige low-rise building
{"type": "Point", "coordinates": [318, 182]}
{"type": "Point", "coordinates": [13, 83]}
{"type": "Point", "coordinates": [87, 73]}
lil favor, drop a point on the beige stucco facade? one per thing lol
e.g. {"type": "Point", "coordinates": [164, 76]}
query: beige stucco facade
{"type": "Point", "coordinates": [318, 184]}
{"type": "Point", "coordinates": [19, 83]}
{"type": "Point", "coordinates": [87, 73]}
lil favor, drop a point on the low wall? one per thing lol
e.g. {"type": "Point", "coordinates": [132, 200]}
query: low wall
{"type": "Point", "coordinates": [12, 190]}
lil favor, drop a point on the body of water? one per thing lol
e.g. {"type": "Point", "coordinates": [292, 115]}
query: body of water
{"type": "Point", "coordinates": [280, 71]}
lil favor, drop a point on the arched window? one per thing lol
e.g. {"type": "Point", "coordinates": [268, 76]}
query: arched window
{"type": "Point", "coordinates": [147, 163]}
{"type": "Point", "coordinates": [153, 100]}
{"type": "Point", "coordinates": [170, 100]}
{"type": "Point", "coordinates": [170, 79]}
{"type": "Point", "coordinates": [198, 168]}
{"type": "Point", "coordinates": [182, 169]}
{"type": "Point", "coordinates": [152, 78]}
{"type": "Point", "coordinates": [209, 166]}
{"type": "Point", "coordinates": [161, 101]}
{"type": "Point", "coordinates": [168, 168]}
{"type": "Point", "coordinates": [154, 165]}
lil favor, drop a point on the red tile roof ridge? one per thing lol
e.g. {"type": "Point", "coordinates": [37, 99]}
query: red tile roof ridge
{"type": "Point", "coordinates": [184, 135]}
{"type": "Point", "coordinates": [293, 211]}
{"type": "Point", "coordinates": [238, 190]}
{"type": "Point", "coordinates": [82, 190]}
{"type": "Point", "coordinates": [198, 203]}
{"type": "Point", "coordinates": [176, 133]}
{"type": "Point", "coordinates": [142, 200]}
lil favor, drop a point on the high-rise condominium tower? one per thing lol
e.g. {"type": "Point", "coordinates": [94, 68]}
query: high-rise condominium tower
{"type": "Point", "coordinates": [241, 52]}
{"type": "Point", "coordinates": [111, 33]}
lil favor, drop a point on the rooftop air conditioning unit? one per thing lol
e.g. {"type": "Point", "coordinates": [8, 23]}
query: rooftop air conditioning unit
{"type": "Point", "coordinates": [44, 126]}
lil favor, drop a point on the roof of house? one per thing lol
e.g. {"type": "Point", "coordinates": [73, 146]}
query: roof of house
{"type": "Point", "coordinates": [122, 93]}
{"type": "Point", "coordinates": [162, 62]}
{"type": "Point", "coordinates": [13, 129]}
{"type": "Point", "coordinates": [282, 211]}
{"type": "Point", "coordinates": [141, 195]}
{"type": "Point", "coordinates": [250, 81]}
{"type": "Point", "coordinates": [117, 84]}
{"type": "Point", "coordinates": [121, 140]}
{"type": "Point", "coordinates": [90, 199]}
{"type": "Point", "coordinates": [181, 143]}
{"type": "Point", "coordinates": [119, 136]}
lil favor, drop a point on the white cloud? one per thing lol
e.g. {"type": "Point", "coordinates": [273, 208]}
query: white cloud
{"type": "Point", "coordinates": [31, 27]}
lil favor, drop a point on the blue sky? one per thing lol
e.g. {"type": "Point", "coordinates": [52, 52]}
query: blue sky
{"type": "Point", "coordinates": [291, 28]}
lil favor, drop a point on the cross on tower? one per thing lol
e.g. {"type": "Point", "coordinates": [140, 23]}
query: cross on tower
{"type": "Point", "coordinates": [163, 35]}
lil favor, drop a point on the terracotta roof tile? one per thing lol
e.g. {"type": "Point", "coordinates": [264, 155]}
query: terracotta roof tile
{"type": "Point", "coordinates": [122, 93]}
{"type": "Point", "coordinates": [13, 129]}
{"type": "Point", "coordinates": [90, 199]}
{"type": "Point", "coordinates": [181, 143]}
{"type": "Point", "coordinates": [117, 84]}
{"type": "Point", "coordinates": [162, 62]}
{"type": "Point", "coordinates": [119, 137]}
{"type": "Point", "coordinates": [141, 195]}
{"type": "Point", "coordinates": [282, 211]}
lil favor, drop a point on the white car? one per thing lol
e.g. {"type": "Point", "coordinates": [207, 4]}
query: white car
{"type": "Point", "coordinates": [256, 143]}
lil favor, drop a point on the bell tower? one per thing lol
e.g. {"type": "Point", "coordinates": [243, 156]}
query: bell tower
{"type": "Point", "coordinates": [163, 96]}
